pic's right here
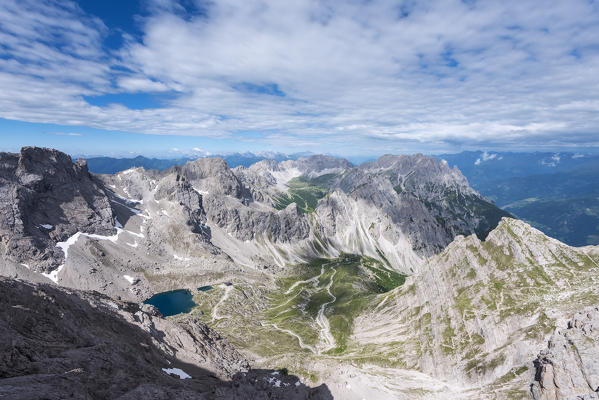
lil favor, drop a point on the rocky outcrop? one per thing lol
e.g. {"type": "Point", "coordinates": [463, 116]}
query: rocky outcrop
{"type": "Point", "coordinates": [176, 189]}
{"type": "Point", "coordinates": [61, 344]}
{"type": "Point", "coordinates": [211, 175]}
{"type": "Point", "coordinates": [44, 199]}
{"type": "Point", "coordinates": [569, 368]}
{"type": "Point", "coordinates": [431, 202]}
{"type": "Point", "coordinates": [245, 223]}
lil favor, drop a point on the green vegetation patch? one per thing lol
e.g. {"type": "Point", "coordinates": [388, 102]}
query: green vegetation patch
{"type": "Point", "coordinates": [304, 192]}
{"type": "Point", "coordinates": [346, 286]}
{"type": "Point", "coordinates": [385, 278]}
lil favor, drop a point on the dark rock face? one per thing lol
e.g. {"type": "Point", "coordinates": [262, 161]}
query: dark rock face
{"type": "Point", "coordinates": [59, 344]}
{"type": "Point", "coordinates": [247, 223]}
{"type": "Point", "coordinates": [44, 199]}
{"type": "Point", "coordinates": [429, 201]}
{"type": "Point", "coordinates": [569, 367]}
{"type": "Point", "coordinates": [176, 189]}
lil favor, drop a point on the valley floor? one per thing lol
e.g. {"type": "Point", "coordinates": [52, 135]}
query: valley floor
{"type": "Point", "coordinates": [304, 323]}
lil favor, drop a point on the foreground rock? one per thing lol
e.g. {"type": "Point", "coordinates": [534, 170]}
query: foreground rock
{"type": "Point", "coordinates": [58, 344]}
{"type": "Point", "coordinates": [569, 367]}
{"type": "Point", "coordinates": [45, 198]}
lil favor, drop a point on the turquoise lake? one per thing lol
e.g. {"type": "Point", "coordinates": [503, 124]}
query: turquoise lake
{"type": "Point", "coordinates": [173, 302]}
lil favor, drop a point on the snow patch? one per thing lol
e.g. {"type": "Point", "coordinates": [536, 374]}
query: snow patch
{"type": "Point", "coordinates": [177, 371]}
{"type": "Point", "coordinates": [53, 275]}
{"type": "Point", "coordinates": [131, 279]}
{"type": "Point", "coordinates": [73, 239]}
{"type": "Point", "coordinates": [139, 235]}
{"type": "Point", "coordinates": [47, 226]}
{"type": "Point", "coordinates": [68, 243]}
{"type": "Point", "coordinates": [133, 210]}
{"type": "Point", "coordinates": [202, 192]}
{"type": "Point", "coordinates": [26, 266]}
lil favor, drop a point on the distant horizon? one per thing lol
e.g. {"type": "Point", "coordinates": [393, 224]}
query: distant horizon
{"type": "Point", "coordinates": [120, 144]}
{"type": "Point", "coordinates": [268, 154]}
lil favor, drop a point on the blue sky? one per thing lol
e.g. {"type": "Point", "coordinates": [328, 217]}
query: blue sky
{"type": "Point", "coordinates": [164, 77]}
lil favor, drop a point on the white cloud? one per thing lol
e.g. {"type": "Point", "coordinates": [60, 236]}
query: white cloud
{"type": "Point", "coordinates": [487, 157]}
{"type": "Point", "coordinates": [137, 84]}
{"type": "Point", "coordinates": [65, 133]}
{"type": "Point", "coordinates": [354, 73]}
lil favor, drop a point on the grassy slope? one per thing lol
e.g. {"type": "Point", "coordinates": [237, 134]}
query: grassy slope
{"type": "Point", "coordinates": [483, 285]}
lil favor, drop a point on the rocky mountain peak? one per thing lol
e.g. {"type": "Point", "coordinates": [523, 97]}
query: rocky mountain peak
{"type": "Point", "coordinates": [211, 175]}
{"type": "Point", "coordinates": [318, 163]}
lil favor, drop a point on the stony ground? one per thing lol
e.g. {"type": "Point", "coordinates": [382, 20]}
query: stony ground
{"type": "Point", "coordinates": [61, 344]}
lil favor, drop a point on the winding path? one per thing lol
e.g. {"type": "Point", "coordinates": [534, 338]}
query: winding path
{"type": "Point", "coordinates": [313, 279]}
{"type": "Point", "coordinates": [327, 339]}
{"type": "Point", "coordinates": [215, 315]}
{"type": "Point", "coordinates": [299, 339]}
{"type": "Point", "coordinates": [323, 322]}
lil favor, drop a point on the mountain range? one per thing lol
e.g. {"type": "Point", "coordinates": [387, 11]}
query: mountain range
{"type": "Point", "coordinates": [112, 165]}
{"type": "Point", "coordinates": [391, 279]}
{"type": "Point", "coordinates": [554, 192]}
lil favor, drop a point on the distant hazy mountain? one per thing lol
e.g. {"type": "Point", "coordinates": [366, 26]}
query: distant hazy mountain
{"type": "Point", "coordinates": [480, 167]}
{"type": "Point", "coordinates": [557, 193]}
{"type": "Point", "coordinates": [111, 165]}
